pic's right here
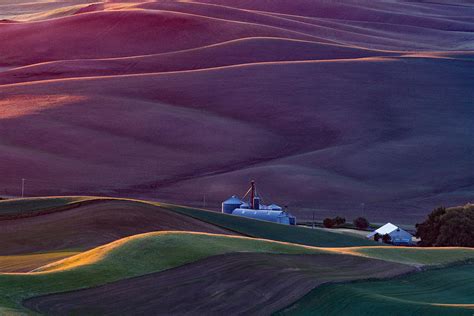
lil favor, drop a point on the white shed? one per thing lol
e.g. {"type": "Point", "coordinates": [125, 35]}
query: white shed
{"type": "Point", "coordinates": [398, 235]}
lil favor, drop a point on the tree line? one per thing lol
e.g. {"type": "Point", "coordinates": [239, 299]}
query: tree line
{"type": "Point", "coordinates": [448, 227]}
{"type": "Point", "coordinates": [444, 227]}
{"type": "Point", "coordinates": [359, 222]}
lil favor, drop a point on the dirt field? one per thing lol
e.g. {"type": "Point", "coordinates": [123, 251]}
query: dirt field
{"type": "Point", "coordinates": [159, 99]}
{"type": "Point", "coordinates": [91, 225]}
{"type": "Point", "coordinates": [239, 283]}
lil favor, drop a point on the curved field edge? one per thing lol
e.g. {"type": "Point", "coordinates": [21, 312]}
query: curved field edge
{"type": "Point", "coordinates": [418, 256]}
{"type": "Point", "coordinates": [25, 207]}
{"type": "Point", "coordinates": [180, 247]}
{"type": "Point", "coordinates": [218, 285]}
{"type": "Point", "coordinates": [252, 50]}
{"type": "Point", "coordinates": [267, 230]}
{"type": "Point", "coordinates": [444, 291]}
{"type": "Point", "coordinates": [244, 226]}
{"type": "Point", "coordinates": [146, 254]}
{"type": "Point", "coordinates": [130, 257]}
{"type": "Point", "coordinates": [29, 262]}
{"type": "Point", "coordinates": [295, 235]}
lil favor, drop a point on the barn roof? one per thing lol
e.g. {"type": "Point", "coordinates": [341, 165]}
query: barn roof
{"type": "Point", "coordinates": [385, 229]}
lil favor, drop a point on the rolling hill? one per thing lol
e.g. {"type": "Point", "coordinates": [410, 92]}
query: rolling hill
{"type": "Point", "coordinates": [179, 291]}
{"type": "Point", "coordinates": [16, 208]}
{"type": "Point", "coordinates": [19, 10]}
{"type": "Point", "coordinates": [87, 225]}
{"type": "Point", "coordinates": [175, 262]}
{"type": "Point", "coordinates": [64, 224]}
{"type": "Point", "coordinates": [250, 50]}
{"type": "Point", "coordinates": [349, 108]}
{"type": "Point", "coordinates": [431, 292]}
{"type": "Point", "coordinates": [295, 143]}
{"type": "Point", "coordinates": [327, 105]}
{"type": "Point", "coordinates": [152, 271]}
{"type": "Point", "coordinates": [153, 252]}
{"type": "Point", "coordinates": [29, 262]}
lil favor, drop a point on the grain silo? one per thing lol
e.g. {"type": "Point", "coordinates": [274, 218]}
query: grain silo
{"type": "Point", "coordinates": [229, 205]}
{"type": "Point", "coordinates": [257, 210]}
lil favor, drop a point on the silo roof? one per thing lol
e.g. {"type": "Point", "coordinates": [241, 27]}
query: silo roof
{"type": "Point", "coordinates": [233, 200]}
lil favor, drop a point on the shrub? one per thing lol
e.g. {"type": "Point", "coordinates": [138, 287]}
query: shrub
{"type": "Point", "coordinates": [377, 236]}
{"type": "Point", "coordinates": [339, 220]}
{"type": "Point", "coordinates": [386, 238]}
{"type": "Point", "coordinates": [328, 222]}
{"type": "Point", "coordinates": [361, 223]}
{"type": "Point", "coordinates": [331, 222]}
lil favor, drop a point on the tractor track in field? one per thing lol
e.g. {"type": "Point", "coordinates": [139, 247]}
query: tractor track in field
{"type": "Point", "coordinates": [238, 283]}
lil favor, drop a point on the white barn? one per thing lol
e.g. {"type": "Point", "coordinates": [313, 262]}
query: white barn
{"type": "Point", "coordinates": [398, 235]}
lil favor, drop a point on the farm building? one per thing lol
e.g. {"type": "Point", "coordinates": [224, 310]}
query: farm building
{"type": "Point", "coordinates": [279, 217]}
{"type": "Point", "coordinates": [256, 210]}
{"type": "Point", "coordinates": [229, 205]}
{"type": "Point", "coordinates": [397, 235]}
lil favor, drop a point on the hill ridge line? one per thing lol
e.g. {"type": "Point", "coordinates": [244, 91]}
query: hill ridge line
{"type": "Point", "coordinates": [238, 40]}
{"type": "Point", "coordinates": [373, 59]}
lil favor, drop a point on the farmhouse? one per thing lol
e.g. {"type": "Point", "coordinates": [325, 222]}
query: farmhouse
{"type": "Point", "coordinates": [397, 235]}
{"type": "Point", "coordinates": [255, 209]}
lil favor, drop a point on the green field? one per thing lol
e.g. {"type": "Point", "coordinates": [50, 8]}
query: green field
{"type": "Point", "coordinates": [125, 258]}
{"type": "Point", "coordinates": [26, 205]}
{"type": "Point", "coordinates": [267, 230]}
{"type": "Point", "coordinates": [417, 256]}
{"type": "Point", "coordinates": [415, 294]}
{"type": "Point", "coordinates": [158, 251]}
{"type": "Point", "coordinates": [245, 226]}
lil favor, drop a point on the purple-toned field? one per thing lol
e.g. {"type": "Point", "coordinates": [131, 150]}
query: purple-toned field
{"type": "Point", "coordinates": [327, 105]}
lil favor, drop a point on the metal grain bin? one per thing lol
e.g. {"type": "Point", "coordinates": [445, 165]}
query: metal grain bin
{"type": "Point", "coordinates": [229, 205]}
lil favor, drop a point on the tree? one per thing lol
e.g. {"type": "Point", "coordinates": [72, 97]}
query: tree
{"type": "Point", "coordinates": [447, 227]}
{"type": "Point", "coordinates": [361, 223]}
{"type": "Point", "coordinates": [339, 220]}
{"type": "Point", "coordinates": [377, 236]}
{"type": "Point", "coordinates": [328, 222]}
{"type": "Point", "coordinates": [387, 239]}
{"type": "Point", "coordinates": [331, 222]}
{"type": "Point", "coordinates": [428, 231]}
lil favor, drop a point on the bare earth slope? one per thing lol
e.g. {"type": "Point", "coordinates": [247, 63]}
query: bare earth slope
{"type": "Point", "coordinates": [91, 225]}
{"type": "Point", "coordinates": [324, 103]}
{"type": "Point", "coordinates": [235, 52]}
{"type": "Point", "coordinates": [104, 34]}
{"type": "Point", "coordinates": [224, 287]}
{"type": "Point", "coordinates": [19, 10]}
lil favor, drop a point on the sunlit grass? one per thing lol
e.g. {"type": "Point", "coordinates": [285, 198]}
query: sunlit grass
{"type": "Point", "coordinates": [28, 262]}
{"type": "Point", "coordinates": [129, 257]}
